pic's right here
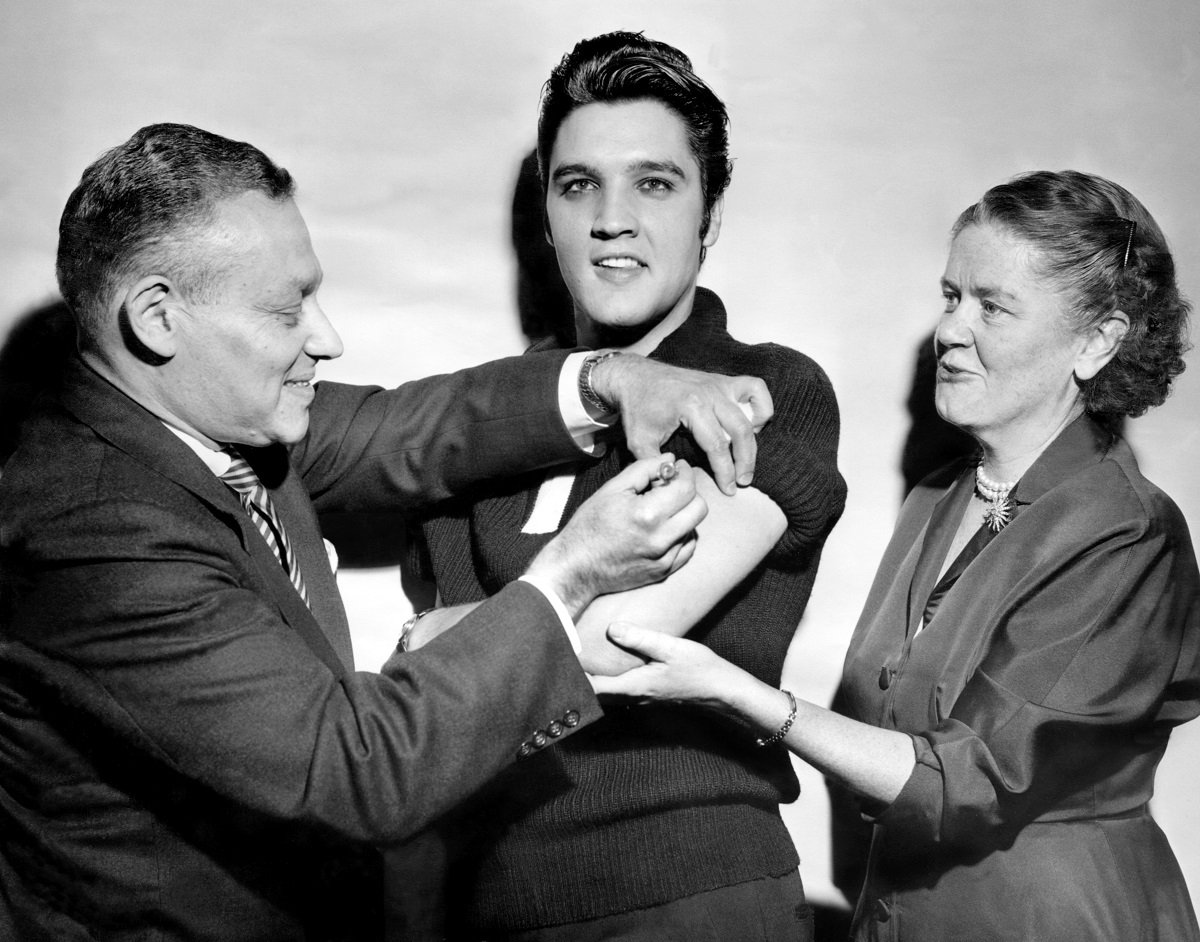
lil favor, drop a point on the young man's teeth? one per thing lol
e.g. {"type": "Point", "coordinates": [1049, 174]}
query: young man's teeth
{"type": "Point", "coordinates": [618, 263]}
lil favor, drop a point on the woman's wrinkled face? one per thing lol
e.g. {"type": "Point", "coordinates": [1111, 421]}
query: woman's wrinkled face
{"type": "Point", "coordinates": [1007, 354]}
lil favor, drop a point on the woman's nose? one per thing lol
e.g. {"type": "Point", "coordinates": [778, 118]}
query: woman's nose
{"type": "Point", "coordinates": [953, 328]}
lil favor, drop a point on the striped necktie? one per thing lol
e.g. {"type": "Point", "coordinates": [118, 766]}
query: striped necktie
{"type": "Point", "coordinates": [257, 502]}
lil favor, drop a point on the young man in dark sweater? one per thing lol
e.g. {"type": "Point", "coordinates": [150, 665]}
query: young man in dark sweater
{"type": "Point", "coordinates": [660, 819]}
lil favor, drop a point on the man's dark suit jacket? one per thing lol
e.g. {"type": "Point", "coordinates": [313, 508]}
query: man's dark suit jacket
{"type": "Point", "coordinates": [185, 749]}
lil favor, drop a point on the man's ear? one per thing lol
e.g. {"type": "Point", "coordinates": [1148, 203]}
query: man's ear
{"type": "Point", "coordinates": [150, 318]}
{"type": "Point", "coordinates": [714, 223]}
{"type": "Point", "coordinates": [1101, 345]}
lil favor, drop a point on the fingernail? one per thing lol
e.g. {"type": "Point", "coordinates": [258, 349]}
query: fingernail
{"type": "Point", "coordinates": [745, 479]}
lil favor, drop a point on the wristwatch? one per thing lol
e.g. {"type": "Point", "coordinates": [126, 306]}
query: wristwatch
{"type": "Point", "coordinates": [587, 391]}
{"type": "Point", "coordinates": [407, 628]}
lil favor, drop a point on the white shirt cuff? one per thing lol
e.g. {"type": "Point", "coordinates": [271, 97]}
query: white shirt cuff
{"type": "Point", "coordinates": [583, 427]}
{"type": "Point", "coordinates": [559, 609]}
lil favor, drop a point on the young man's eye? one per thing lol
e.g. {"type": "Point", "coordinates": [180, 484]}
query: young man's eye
{"type": "Point", "coordinates": [577, 186]}
{"type": "Point", "coordinates": [656, 185]}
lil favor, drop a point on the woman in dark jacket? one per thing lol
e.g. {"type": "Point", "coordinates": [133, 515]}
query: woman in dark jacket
{"type": "Point", "coordinates": [1032, 634]}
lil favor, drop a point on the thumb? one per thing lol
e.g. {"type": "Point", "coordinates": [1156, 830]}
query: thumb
{"type": "Point", "coordinates": [754, 399]}
{"type": "Point", "coordinates": [638, 476]}
{"type": "Point", "coordinates": [649, 644]}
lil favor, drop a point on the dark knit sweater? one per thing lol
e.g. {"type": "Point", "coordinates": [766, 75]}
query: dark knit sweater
{"type": "Point", "coordinates": [654, 803]}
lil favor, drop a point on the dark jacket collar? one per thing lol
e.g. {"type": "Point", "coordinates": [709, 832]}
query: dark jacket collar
{"type": "Point", "coordinates": [134, 430]}
{"type": "Point", "coordinates": [1080, 445]}
{"type": "Point", "coordinates": [131, 428]}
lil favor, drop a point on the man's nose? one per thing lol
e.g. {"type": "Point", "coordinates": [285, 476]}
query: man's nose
{"type": "Point", "coordinates": [615, 216]}
{"type": "Point", "coordinates": [323, 341]}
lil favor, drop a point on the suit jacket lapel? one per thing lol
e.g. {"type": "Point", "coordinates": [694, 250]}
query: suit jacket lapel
{"type": "Point", "coordinates": [1080, 443]}
{"type": "Point", "coordinates": [137, 432]}
{"type": "Point", "coordinates": [295, 509]}
{"type": "Point", "coordinates": [943, 522]}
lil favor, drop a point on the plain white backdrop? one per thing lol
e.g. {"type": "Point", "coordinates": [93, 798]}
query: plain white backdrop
{"type": "Point", "coordinates": [860, 130]}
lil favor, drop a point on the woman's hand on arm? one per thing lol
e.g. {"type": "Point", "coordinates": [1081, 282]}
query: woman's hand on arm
{"type": "Point", "coordinates": [731, 541]}
{"type": "Point", "coordinates": [871, 761]}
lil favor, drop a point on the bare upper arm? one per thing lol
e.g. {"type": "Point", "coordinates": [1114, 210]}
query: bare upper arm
{"type": "Point", "coordinates": [732, 540]}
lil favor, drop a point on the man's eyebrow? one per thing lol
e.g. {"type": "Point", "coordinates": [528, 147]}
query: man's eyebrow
{"type": "Point", "coordinates": [668, 167]}
{"type": "Point", "coordinates": [285, 294]}
{"type": "Point", "coordinates": [658, 166]}
{"type": "Point", "coordinates": [570, 170]}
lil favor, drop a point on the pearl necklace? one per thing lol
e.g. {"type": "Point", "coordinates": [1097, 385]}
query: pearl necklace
{"type": "Point", "coordinates": [995, 494]}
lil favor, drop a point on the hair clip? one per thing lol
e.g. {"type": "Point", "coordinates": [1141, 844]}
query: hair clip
{"type": "Point", "coordinates": [1128, 242]}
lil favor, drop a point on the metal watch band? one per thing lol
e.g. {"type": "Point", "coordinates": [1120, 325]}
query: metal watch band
{"type": "Point", "coordinates": [588, 392]}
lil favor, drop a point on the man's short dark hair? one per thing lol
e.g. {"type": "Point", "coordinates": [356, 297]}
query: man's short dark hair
{"type": "Point", "coordinates": [621, 66]}
{"type": "Point", "coordinates": [136, 205]}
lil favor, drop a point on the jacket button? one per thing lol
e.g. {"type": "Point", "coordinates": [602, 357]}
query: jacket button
{"type": "Point", "coordinates": [525, 751]}
{"type": "Point", "coordinates": [570, 719]}
{"type": "Point", "coordinates": [885, 677]}
{"type": "Point", "coordinates": [883, 912]}
{"type": "Point", "coordinates": [554, 728]}
{"type": "Point", "coordinates": [539, 739]}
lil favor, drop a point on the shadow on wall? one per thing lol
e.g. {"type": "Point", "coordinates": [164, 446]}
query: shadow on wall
{"type": "Point", "coordinates": [543, 302]}
{"type": "Point", "coordinates": [32, 361]}
{"type": "Point", "coordinates": [931, 441]}
{"type": "Point", "coordinates": [544, 308]}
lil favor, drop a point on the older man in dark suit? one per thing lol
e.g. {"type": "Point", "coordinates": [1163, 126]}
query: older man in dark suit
{"type": "Point", "coordinates": [185, 749]}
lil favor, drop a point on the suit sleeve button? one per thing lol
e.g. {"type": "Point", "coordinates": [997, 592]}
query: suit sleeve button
{"type": "Point", "coordinates": [554, 728]}
{"type": "Point", "coordinates": [570, 719]}
{"type": "Point", "coordinates": [525, 751]}
{"type": "Point", "coordinates": [539, 739]}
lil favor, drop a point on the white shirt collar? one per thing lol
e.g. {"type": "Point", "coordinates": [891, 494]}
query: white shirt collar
{"type": "Point", "coordinates": [217, 462]}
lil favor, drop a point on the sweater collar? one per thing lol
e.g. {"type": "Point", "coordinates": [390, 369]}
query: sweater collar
{"type": "Point", "coordinates": [695, 335]}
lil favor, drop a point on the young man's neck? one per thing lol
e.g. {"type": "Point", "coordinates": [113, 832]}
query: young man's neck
{"type": "Point", "coordinates": [637, 338]}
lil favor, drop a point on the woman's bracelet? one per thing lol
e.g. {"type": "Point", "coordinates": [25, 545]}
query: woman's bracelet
{"type": "Point", "coordinates": [787, 724]}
